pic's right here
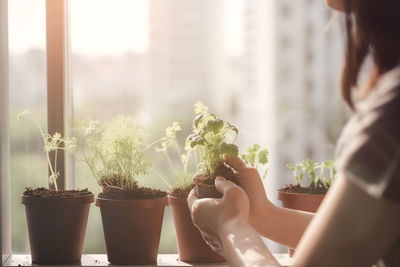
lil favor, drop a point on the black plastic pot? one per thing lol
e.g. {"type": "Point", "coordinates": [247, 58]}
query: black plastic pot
{"type": "Point", "coordinates": [132, 229]}
{"type": "Point", "coordinates": [56, 228]}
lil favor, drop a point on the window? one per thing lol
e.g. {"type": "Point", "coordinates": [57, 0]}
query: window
{"type": "Point", "coordinates": [154, 59]}
{"type": "Point", "coordinates": [27, 76]}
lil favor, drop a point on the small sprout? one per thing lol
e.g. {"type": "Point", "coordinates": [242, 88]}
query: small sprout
{"type": "Point", "coordinates": [263, 156]}
{"type": "Point", "coordinates": [210, 136]}
{"type": "Point", "coordinates": [182, 175]}
{"type": "Point", "coordinates": [52, 143]}
{"type": "Point", "coordinates": [309, 168]}
{"type": "Point", "coordinates": [256, 157]}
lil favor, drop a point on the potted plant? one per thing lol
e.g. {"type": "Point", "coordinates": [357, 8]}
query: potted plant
{"type": "Point", "coordinates": [213, 138]}
{"type": "Point", "coordinates": [56, 219]}
{"type": "Point", "coordinates": [308, 198]}
{"type": "Point", "coordinates": [132, 215]}
{"type": "Point", "coordinates": [191, 246]}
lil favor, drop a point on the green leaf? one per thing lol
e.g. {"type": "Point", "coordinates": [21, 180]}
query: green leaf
{"type": "Point", "coordinates": [263, 156]}
{"type": "Point", "coordinates": [230, 150]}
{"type": "Point", "coordinates": [214, 125]}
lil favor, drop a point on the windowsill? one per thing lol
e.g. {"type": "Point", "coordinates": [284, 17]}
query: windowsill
{"type": "Point", "coordinates": [163, 260]}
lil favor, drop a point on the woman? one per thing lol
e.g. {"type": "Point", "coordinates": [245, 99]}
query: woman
{"type": "Point", "coordinates": [358, 224]}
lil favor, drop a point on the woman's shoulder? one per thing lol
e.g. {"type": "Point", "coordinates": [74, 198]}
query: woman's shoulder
{"type": "Point", "coordinates": [389, 81]}
{"type": "Point", "coordinates": [384, 99]}
{"type": "Point", "coordinates": [370, 148]}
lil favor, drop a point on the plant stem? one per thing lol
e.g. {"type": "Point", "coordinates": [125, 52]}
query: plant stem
{"type": "Point", "coordinates": [169, 160]}
{"type": "Point", "coordinates": [162, 178]}
{"type": "Point", "coordinates": [55, 168]}
{"type": "Point", "coordinates": [155, 142]}
{"type": "Point", "coordinates": [44, 143]}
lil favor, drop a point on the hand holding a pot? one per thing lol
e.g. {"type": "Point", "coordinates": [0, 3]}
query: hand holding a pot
{"type": "Point", "coordinates": [250, 181]}
{"type": "Point", "coordinates": [212, 216]}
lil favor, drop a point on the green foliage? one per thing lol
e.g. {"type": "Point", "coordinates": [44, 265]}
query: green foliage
{"type": "Point", "coordinates": [309, 168]}
{"type": "Point", "coordinates": [256, 157]}
{"type": "Point", "coordinates": [182, 175]}
{"type": "Point", "coordinates": [329, 167]}
{"type": "Point", "coordinates": [210, 137]}
{"type": "Point", "coordinates": [296, 169]}
{"type": "Point", "coordinates": [116, 151]}
{"type": "Point", "coordinates": [52, 143]}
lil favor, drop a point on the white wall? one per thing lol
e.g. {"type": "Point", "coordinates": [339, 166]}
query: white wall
{"type": "Point", "coordinates": [4, 135]}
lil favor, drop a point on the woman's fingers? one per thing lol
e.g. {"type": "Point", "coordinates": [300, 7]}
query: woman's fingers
{"type": "Point", "coordinates": [236, 163]}
{"type": "Point", "coordinates": [223, 185]}
{"type": "Point", "coordinates": [230, 190]}
{"type": "Point", "coordinates": [192, 198]}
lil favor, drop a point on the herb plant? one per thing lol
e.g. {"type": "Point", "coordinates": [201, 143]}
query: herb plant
{"type": "Point", "coordinates": [319, 174]}
{"type": "Point", "coordinates": [52, 143]}
{"type": "Point", "coordinates": [213, 138]}
{"type": "Point", "coordinates": [256, 157]}
{"type": "Point", "coordinates": [116, 151]}
{"type": "Point", "coordinates": [182, 175]}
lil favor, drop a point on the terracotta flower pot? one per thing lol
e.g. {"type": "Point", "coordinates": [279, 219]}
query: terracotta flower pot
{"type": "Point", "coordinates": [191, 246]}
{"type": "Point", "coordinates": [56, 228]}
{"type": "Point", "coordinates": [205, 190]}
{"type": "Point", "coordinates": [297, 201]}
{"type": "Point", "coordinates": [132, 229]}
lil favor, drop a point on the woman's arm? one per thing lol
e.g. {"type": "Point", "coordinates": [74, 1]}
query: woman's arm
{"type": "Point", "coordinates": [225, 227]}
{"type": "Point", "coordinates": [284, 226]}
{"type": "Point", "coordinates": [351, 229]}
{"type": "Point", "coordinates": [243, 246]}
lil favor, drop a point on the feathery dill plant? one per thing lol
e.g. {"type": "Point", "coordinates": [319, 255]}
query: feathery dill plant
{"type": "Point", "coordinates": [52, 144]}
{"type": "Point", "coordinates": [210, 137]}
{"type": "Point", "coordinates": [116, 151]}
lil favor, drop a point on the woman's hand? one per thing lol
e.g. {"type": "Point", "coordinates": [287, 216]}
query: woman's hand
{"type": "Point", "coordinates": [250, 181]}
{"type": "Point", "coordinates": [212, 215]}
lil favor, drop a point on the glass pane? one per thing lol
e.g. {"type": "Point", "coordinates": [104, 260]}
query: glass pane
{"type": "Point", "coordinates": [27, 91]}
{"type": "Point", "coordinates": [269, 67]}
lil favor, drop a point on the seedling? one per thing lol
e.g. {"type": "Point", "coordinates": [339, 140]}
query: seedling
{"type": "Point", "coordinates": [213, 138]}
{"type": "Point", "coordinates": [256, 157]}
{"type": "Point", "coordinates": [51, 143]}
{"type": "Point", "coordinates": [169, 142]}
{"type": "Point", "coordinates": [320, 175]}
{"type": "Point", "coordinates": [328, 166]}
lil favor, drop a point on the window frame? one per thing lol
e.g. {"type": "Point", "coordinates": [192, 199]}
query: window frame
{"type": "Point", "coordinates": [5, 216]}
{"type": "Point", "coordinates": [59, 105]}
{"type": "Point", "coordinates": [57, 54]}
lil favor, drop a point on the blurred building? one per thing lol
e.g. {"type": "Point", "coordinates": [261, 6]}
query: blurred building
{"type": "Point", "coordinates": [291, 66]}
{"type": "Point", "coordinates": [186, 56]}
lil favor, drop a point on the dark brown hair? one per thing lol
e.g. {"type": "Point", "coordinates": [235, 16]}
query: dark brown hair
{"type": "Point", "coordinates": [373, 28]}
